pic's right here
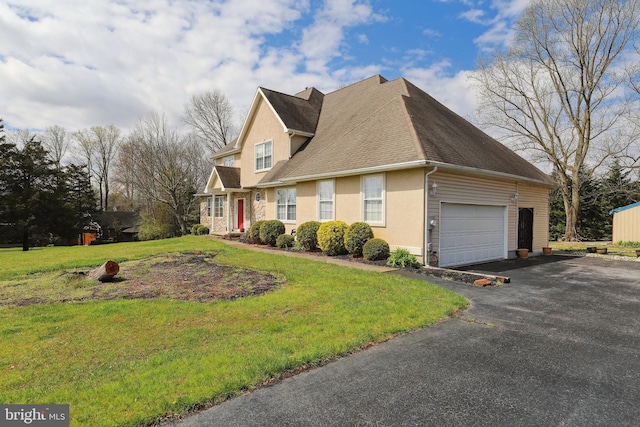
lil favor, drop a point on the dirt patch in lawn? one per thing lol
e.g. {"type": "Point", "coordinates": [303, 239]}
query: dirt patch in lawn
{"type": "Point", "coordinates": [189, 276]}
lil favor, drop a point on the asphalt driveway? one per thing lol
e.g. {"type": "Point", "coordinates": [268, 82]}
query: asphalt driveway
{"type": "Point", "coordinates": [558, 346]}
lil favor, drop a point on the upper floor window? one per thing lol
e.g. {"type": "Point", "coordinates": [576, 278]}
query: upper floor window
{"type": "Point", "coordinates": [286, 204]}
{"type": "Point", "coordinates": [264, 156]}
{"type": "Point", "coordinates": [326, 200]}
{"type": "Point", "coordinates": [228, 161]}
{"type": "Point", "coordinates": [373, 199]}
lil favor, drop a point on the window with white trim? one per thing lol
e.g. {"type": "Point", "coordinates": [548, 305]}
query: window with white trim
{"type": "Point", "coordinates": [373, 199]}
{"type": "Point", "coordinates": [218, 208]}
{"type": "Point", "coordinates": [286, 204]}
{"type": "Point", "coordinates": [264, 156]}
{"type": "Point", "coordinates": [228, 161]}
{"type": "Point", "coordinates": [326, 196]}
{"type": "Point", "coordinates": [209, 202]}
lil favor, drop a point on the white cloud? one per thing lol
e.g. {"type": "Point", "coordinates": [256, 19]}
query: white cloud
{"type": "Point", "coordinates": [97, 62]}
{"type": "Point", "coordinates": [499, 17]}
{"type": "Point", "coordinates": [453, 90]}
{"type": "Point", "coordinates": [474, 15]}
{"type": "Point", "coordinates": [430, 32]}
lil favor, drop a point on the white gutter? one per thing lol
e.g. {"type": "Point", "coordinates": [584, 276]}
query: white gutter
{"type": "Point", "coordinates": [406, 165]}
{"type": "Point", "coordinates": [484, 172]}
{"type": "Point", "coordinates": [373, 169]}
{"type": "Point", "coordinates": [427, 232]}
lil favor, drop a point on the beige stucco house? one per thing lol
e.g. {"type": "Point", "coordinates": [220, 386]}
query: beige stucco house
{"type": "Point", "coordinates": [386, 153]}
{"type": "Point", "coordinates": [626, 223]}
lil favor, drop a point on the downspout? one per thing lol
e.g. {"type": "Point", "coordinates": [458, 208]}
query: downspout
{"type": "Point", "coordinates": [516, 198]}
{"type": "Point", "coordinates": [427, 232]}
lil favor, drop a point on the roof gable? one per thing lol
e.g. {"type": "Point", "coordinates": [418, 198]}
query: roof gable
{"type": "Point", "coordinates": [296, 114]}
{"type": "Point", "coordinates": [229, 178]}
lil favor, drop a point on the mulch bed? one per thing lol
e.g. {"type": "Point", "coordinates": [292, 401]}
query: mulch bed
{"type": "Point", "coordinates": [446, 274]}
{"type": "Point", "coordinates": [189, 276]}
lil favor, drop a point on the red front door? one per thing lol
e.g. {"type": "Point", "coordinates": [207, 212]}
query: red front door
{"type": "Point", "coordinates": [241, 214]}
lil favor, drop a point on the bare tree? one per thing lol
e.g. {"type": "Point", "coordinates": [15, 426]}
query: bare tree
{"type": "Point", "coordinates": [98, 147]}
{"type": "Point", "coordinates": [162, 166]}
{"type": "Point", "coordinates": [555, 90]}
{"type": "Point", "coordinates": [56, 141]}
{"type": "Point", "coordinates": [210, 116]}
{"type": "Point", "coordinates": [20, 137]}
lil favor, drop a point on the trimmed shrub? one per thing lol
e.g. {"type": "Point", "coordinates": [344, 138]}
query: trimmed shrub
{"type": "Point", "coordinates": [195, 228]}
{"type": "Point", "coordinates": [375, 249]}
{"type": "Point", "coordinates": [331, 237]}
{"type": "Point", "coordinates": [356, 236]}
{"type": "Point", "coordinates": [402, 258]}
{"type": "Point", "coordinates": [203, 230]}
{"type": "Point", "coordinates": [307, 235]}
{"type": "Point", "coordinates": [254, 232]}
{"type": "Point", "coordinates": [285, 241]}
{"type": "Point", "coordinates": [270, 230]}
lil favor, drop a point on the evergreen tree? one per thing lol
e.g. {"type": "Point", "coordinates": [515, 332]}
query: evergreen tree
{"type": "Point", "coordinates": [38, 201]}
{"type": "Point", "coordinates": [27, 186]}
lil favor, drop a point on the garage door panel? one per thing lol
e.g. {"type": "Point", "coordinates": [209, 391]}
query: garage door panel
{"type": "Point", "coordinates": [471, 233]}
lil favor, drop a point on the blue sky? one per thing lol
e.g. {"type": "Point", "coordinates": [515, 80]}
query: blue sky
{"type": "Point", "coordinates": [82, 63]}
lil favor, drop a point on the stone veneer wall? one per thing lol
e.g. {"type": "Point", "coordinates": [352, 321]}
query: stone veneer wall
{"type": "Point", "coordinates": [204, 219]}
{"type": "Point", "coordinates": [220, 223]}
{"type": "Point", "coordinates": [258, 209]}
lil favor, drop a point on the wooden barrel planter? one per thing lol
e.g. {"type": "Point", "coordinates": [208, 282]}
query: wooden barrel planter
{"type": "Point", "coordinates": [546, 250]}
{"type": "Point", "coordinates": [522, 253]}
{"type": "Point", "coordinates": [602, 251]}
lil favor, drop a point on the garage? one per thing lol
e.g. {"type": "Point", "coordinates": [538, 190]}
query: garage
{"type": "Point", "coordinates": [472, 233]}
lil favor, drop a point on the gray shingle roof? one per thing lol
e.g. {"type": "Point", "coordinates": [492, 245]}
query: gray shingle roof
{"type": "Point", "coordinates": [229, 177]}
{"type": "Point", "coordinates": [375, 122]}
{"type": "Point", "coordinates": [298, 112]}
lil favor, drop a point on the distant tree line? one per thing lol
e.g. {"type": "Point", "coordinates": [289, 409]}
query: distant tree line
{"type": "Point", "coordinates": [598, 196]}
{"type": "Point", "coordinates": [53, 183]}
{"type": "Point", "coordinates": [40, 201]}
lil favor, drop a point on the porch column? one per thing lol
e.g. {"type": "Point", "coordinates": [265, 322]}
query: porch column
{"type": "Point", "coordinates": [229, 224]}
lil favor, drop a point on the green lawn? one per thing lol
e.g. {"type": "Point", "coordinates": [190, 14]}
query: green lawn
{"type": "Point", "coordinates": [132, 362]}
{"type": "Point", "coordinates": [612, 249]}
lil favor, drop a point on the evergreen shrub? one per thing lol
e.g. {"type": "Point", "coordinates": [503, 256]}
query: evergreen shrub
{"type": "Point", "coordinates": [270, 230]}
{"type": "Point", "coordinates": [307, 235]}
{"type": "Point", "coordinates": [254, 232]}
{"type": "Point", "coordinates": [356, 236]}
{"type": "Point", "coordinates": [331, 237]}
{"type": "Point", "coordinates": [285, 241]}
{"type": "Point", "coordinates": [375, 249]}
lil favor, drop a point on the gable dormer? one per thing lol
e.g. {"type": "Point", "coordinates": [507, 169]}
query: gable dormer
{"type": "Point", "coordinates": [275, 128]}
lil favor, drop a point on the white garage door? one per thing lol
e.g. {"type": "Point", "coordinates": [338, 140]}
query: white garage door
{"type": "Point", "coordinates": [471, 233]}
